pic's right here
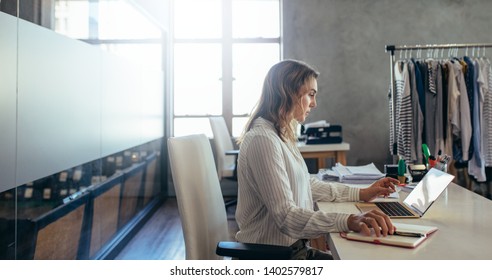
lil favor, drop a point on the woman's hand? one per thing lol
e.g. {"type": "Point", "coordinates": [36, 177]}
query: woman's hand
{"type": "Point", "coordinates": [382, 187]}
{"type": "Point", "coordinates": [375, 219]}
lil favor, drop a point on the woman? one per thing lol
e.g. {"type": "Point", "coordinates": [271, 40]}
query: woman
{"type": "Point", "coordinates": [276, 192]}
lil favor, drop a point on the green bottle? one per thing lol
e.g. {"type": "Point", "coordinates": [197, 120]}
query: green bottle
{"type": "Point", "coordinates": [402, 168]}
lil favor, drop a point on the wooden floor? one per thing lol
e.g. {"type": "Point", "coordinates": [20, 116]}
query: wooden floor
{"type": "Point", "coordinates": [161, 238]}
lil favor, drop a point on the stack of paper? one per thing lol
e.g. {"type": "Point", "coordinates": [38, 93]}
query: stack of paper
{"type": "Point", "coordinates": [352, 174]}
{"type": "Point", "coordinates": [328, 175]}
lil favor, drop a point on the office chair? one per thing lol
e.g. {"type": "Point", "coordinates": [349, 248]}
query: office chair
{"type": "Point", "coordinates": [201, 205]}
{"type": "Point", "coordinates": [225, 153]}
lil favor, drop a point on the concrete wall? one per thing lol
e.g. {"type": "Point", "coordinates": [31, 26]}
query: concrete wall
{"type": "Point", "coordinates": [345, 40]}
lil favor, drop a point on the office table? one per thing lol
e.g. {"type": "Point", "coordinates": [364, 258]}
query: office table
{"type": "Point", "coordinates": [464, 232]}
{"type": "Point", "coordinates": [323, 151]}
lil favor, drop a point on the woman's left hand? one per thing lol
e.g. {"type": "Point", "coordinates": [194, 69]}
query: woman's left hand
{"type": "Point", "coordinates": [382, 187]}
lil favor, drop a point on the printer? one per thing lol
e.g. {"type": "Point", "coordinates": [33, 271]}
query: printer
{"type": "Point", "coordinates": [322, 133]}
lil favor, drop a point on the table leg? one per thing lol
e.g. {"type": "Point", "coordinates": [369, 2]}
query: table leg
{"type": "Point", "coordinates": [341, 158]}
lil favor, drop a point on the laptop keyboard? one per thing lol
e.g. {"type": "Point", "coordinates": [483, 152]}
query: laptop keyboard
{"type": "Point", "coordinates": [393, 209]}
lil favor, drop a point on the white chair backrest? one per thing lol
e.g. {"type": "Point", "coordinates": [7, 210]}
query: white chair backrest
{"type": "Point", "coordinates": [200, 202]}
{"type": "Point", "coordinates": [222, 143]}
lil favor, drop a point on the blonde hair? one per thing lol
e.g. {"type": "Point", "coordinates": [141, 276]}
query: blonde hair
{"type": "Point", "coordinates": [280, 94]}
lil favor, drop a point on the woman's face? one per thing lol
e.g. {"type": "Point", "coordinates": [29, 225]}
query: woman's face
{"type": "Point", "coordinates": [308, 100]}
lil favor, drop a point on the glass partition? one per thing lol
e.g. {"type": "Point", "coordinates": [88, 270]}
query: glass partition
{"type": "Point", "coordinates": [79, 212]}
{"type": "Point", "coordinates": [28, 203]}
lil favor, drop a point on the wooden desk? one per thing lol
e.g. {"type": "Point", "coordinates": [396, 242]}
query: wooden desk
{"type": "Point", "coordinates": [463, 219]}
{"type": "Point", "coordinates": [323, 151]}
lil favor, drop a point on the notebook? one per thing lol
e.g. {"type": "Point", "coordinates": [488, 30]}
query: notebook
{"type": "Point", "coordinates": [402, 240]}
{"type": "Point", "coordinates": [418, 201]}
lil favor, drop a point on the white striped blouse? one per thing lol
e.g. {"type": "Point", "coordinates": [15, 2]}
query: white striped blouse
{"type": "Point", "coordinates": [276, 192]}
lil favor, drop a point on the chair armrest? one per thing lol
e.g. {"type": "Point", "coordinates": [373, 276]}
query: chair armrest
{"type": "Point", "coordinates": [250, 251]}
{"type": "Point", "coordinates": [233, 153]}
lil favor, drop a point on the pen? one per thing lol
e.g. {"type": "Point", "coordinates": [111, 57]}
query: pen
{"type": "Point", "coordinates": [409, 234]}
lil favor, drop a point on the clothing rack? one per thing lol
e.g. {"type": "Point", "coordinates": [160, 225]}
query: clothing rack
{"type": "Point", "coordinates": [391, 49]}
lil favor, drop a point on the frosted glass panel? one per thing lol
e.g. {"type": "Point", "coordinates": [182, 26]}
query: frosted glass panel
{"type": "Point", "coordinates": [60, 112]}
{"type": "Point", "coordinates": [145, 54]}
{"type": "Point", "coordinates": [121, 109]}
{"type": "Point", "coordinates": [132, 111]}
{"type": "Point", "coordinates": [152, 97]}
{"type": "Point", "coordinates": [58, 94]}
{"type": "Point", "coordinates": [8, 70]}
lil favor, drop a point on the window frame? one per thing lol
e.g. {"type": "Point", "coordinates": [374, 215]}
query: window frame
{"type": "Point", "coordinates": [227, 42]}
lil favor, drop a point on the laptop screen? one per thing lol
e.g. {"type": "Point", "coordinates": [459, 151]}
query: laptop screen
{"type": "Point", "coordinates": [428, 190]}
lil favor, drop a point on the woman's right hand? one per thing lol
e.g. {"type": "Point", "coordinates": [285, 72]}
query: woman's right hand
{"type": "Point", "coordinates": [375, 219]}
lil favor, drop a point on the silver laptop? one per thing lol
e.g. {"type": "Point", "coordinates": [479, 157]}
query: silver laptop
{"type": "Point", "coordinates": [418, 201]}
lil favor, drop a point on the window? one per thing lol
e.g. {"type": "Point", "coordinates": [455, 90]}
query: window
{"type": "Point", "coordinates": [222, 51]}
{"type": "Point", "coordinates": [116, 26]}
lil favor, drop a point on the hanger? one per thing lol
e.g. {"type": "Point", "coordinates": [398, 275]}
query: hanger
{"type": "Point", "coordinates": [484, 56]}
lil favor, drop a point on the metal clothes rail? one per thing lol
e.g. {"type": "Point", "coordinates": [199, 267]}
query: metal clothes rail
{"type": "Point", "coordinates": [391, 49]}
